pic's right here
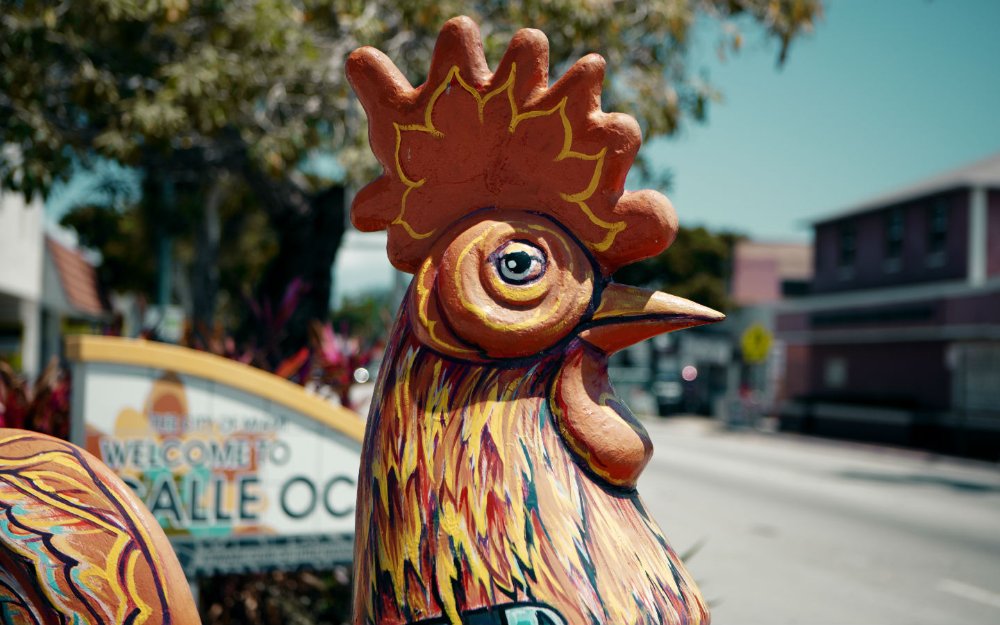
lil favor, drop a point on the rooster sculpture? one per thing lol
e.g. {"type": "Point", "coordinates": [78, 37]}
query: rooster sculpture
{"type": "Point", "coordinates": [498, 471]}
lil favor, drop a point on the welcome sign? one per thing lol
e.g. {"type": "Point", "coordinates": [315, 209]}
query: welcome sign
{"type": "Point", "coordinates": [244, 470]}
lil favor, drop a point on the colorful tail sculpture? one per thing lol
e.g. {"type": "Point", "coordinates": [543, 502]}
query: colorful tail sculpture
{"type": "Point", "coordinates": [76, 546]}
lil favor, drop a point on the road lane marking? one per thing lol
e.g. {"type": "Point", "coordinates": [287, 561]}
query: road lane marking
{"type": "Point", "coordinates": [970, 592]}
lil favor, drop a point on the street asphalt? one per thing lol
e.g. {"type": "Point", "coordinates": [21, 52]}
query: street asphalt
{"type": "Point", "coordinates": [792, 530]}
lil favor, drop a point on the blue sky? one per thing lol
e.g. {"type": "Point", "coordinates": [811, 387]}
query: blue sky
{"type": "Point", "coordinates": [883, 93]}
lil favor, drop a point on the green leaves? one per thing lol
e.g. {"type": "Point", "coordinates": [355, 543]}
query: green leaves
{"type": "Point", "coordinates": [696, 266]}
{"type": "Point", "coordinates": [197, 81]}
{"type": "Point", "coordinates": [190, 83]}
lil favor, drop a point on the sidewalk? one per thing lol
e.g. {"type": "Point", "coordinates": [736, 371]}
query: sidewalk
{"type": "Point", "coordinates": [690, 425]}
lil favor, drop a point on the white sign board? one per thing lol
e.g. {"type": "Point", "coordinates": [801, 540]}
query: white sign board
{"type": "Point", "coordinates": [244, 471]}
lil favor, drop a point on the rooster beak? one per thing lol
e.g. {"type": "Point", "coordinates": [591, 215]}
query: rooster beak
{"type": "Point", "coordinates": [627, 315]}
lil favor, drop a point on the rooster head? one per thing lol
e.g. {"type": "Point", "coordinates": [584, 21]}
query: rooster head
{"type": "Point", "coordinates": [504, 196]}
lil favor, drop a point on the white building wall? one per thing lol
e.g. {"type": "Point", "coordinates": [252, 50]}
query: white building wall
{"type": "Point", "coordinates": [22, 245]}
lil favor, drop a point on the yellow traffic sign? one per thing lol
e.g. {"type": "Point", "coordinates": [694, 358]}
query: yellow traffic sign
{"type": "Point", "coordinates": [756, 343]}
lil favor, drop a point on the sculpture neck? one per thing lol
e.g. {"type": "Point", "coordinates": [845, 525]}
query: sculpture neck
{"type": "Point", "coordinates": [451, 450]}
{"type": "Point", "coordinates": [414, 373]}
{"type": "Point", "coordinates": [469, 498]}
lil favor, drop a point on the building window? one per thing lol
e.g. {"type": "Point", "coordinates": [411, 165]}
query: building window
{"type": "Point", "coordinates": [847, 250]}
{"type": "Point", "coordinates": [976, 369]}
{"type": "Point", "coordinates": [937, 232]}
{"type": "Point", "coordinates": [835, 372]}
{"type": "Point", "coordinates": [893, 240]}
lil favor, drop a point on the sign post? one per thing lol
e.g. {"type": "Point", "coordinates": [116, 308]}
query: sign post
{"type": "Point", "coordinates": [756, 344]}
{"type": "Point", "coordinates": [244, 470]}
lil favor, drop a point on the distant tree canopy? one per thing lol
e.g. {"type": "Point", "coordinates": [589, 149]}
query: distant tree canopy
{"type": "Point", "coordinates": [697, 266]}
{"type": "Point", "coordinates": [221, 99]}
{"type": "Point", "coordinates": [367, 316]}
{"type": "Point", "coordinates": [121, 231]}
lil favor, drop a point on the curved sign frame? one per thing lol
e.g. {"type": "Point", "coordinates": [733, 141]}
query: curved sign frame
{"type": "Point", "coordinates": [245, 471]}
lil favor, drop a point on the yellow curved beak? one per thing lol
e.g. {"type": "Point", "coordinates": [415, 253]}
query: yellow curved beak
{"type": "Point", "coordinates": [628, 314]}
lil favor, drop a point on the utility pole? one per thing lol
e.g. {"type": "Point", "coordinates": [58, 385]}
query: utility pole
{"type": "Point", "coordinates": [165, 248]}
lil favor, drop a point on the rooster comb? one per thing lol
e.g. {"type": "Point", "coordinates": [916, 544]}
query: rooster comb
{"type": "Point", "coordinates": [469, 139]}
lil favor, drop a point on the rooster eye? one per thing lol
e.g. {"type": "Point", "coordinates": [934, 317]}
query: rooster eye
{"type": "Point", "coordinates": [508, 283]}
{"type": "Point", "coordinates": [519, 262]}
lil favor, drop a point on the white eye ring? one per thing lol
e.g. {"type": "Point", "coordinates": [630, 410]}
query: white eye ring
{"type": "Point", "coordinates": [519, 262]}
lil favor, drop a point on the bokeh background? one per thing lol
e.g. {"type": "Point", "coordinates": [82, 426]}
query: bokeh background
{"type": "Point", "coordinates": [181, 171]}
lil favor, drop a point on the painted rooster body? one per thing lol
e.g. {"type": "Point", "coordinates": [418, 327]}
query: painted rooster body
{"type": "Point", "coordinates": [487, 505]}
{"type": "Point", "coordinates": [498, 472]}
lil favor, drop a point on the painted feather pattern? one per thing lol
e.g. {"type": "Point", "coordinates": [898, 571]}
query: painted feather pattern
{"type": "Point", "coordinates": [72, 548]}
{"type": "Point", "coordinates": [487, 506]}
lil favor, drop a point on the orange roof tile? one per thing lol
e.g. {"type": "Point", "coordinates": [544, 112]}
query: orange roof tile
{"type": "Point", "coordinates": [78, 278]}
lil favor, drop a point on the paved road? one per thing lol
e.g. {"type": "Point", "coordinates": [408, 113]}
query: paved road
{"type": "Point", "coordinates": [795, 530]}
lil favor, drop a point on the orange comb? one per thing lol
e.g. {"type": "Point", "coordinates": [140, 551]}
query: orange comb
{"type": "Point", "coordinates": [469, 139]}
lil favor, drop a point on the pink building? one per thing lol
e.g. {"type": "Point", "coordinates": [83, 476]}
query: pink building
{"type": "Point", "coordinates": [763, 276]}
{"type": "Point", "coordinates": [764, 273]}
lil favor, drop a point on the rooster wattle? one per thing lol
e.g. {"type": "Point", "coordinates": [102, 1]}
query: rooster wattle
{"type": "Point", "coordinates": [498, 471]}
